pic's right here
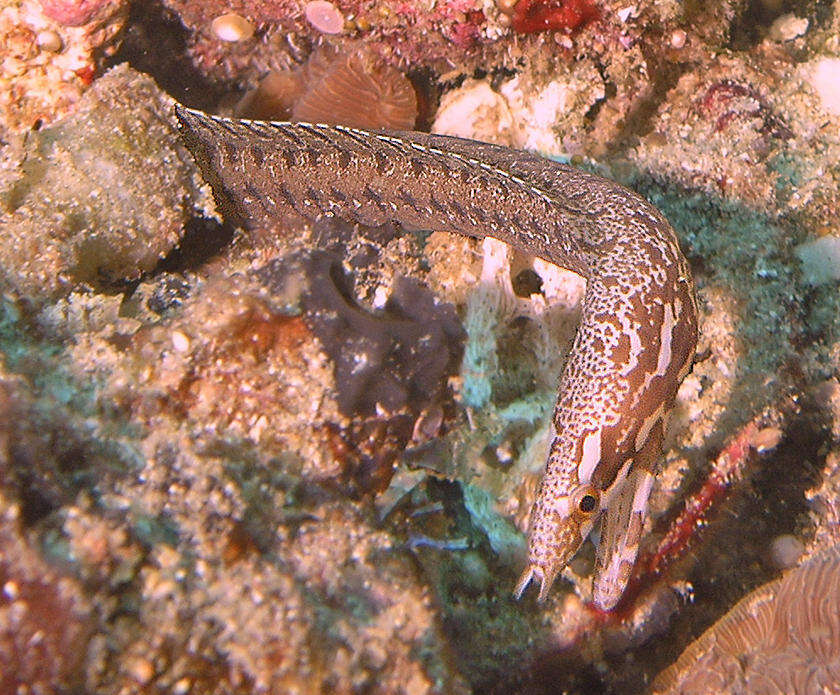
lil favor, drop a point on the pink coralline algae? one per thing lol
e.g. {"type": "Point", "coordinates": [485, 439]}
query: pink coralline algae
{"type": "Point", "coordinates": [75, 13]}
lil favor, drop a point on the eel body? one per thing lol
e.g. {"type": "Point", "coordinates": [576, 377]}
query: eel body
{"type": "Point", "coordinates": [638, 330]}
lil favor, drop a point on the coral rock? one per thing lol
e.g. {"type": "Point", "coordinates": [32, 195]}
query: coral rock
{"type": "Point", "coordinates": [101, 196]}
{"type": "Point", "coordinates": [45, 65]}
{"type": "Point", "coordinates": [784, 637]}
{"type": "Point", "coordinates": [45, 623]}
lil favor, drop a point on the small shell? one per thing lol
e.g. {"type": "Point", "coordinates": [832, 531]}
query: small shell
{"type": "Point", "coordinates": [324, 16]}
{"type": "Point", "coordinates": [180, 342]}
{"type": "Point", "coordinates": [232, 27]}
{"type": "Point", "coordinates": [785, 550]}
{"type": "Point", "coordinates": [678, 39]}
{"type": "Point", "coordinates": [48, 41]}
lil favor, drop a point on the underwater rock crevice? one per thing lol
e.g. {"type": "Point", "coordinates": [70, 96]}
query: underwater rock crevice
{"type": "Point", "coordinates": [155, 42]}
{"type": "Point", "coordinates": [203, 239]}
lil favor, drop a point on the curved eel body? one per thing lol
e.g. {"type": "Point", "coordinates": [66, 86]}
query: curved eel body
{"type": "Point", "coordinates": [638, 331]}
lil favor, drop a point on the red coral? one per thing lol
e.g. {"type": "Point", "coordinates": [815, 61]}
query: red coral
{"type": "Point", "coordinates": [531, 16]}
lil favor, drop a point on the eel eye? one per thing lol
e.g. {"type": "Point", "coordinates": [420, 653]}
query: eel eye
{"type": "Point", "coordinates": [586, 500]}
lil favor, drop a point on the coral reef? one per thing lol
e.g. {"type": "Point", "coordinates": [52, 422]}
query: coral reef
{"type": "Point", "coordinates": [401, 33]}
{"type": "Point", "coordinates": [49, 54]}
{"type": "Point", "coordinates": [213, 524]}
{"type": "Point", "coordinates": [230, 460]}
{"type": "Point", "coordinates": [550, 115]}
{"type": "Point", "coordinates": [781, 638]}
{"type": "Point", "coordinates": [457, 37]}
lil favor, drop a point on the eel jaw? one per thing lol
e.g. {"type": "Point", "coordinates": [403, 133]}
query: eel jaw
{"type": "Point", "coordinates": [552, 546]}
{"type": "Point", "coordinates": [546, 579]}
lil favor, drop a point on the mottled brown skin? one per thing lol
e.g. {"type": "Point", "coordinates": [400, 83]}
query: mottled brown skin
{"type": "Point", "coordinates": [638, 331]}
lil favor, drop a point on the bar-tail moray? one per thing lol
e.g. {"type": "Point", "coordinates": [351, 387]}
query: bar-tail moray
{"type": "Point", "coordinates": [638, 331]}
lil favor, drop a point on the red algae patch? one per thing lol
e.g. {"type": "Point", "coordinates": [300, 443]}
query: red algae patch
{"type": "Point", "coordinates": [531, 16]}
{"type": "Point", "coordinates": [45, 623]}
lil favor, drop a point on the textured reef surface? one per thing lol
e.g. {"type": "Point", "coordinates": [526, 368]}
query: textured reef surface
{"type": "Point", "coordinates": [297, 458]}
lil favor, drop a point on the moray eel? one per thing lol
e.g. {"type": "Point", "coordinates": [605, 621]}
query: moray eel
{"type": "Point", "coordinates": [638, 331]}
